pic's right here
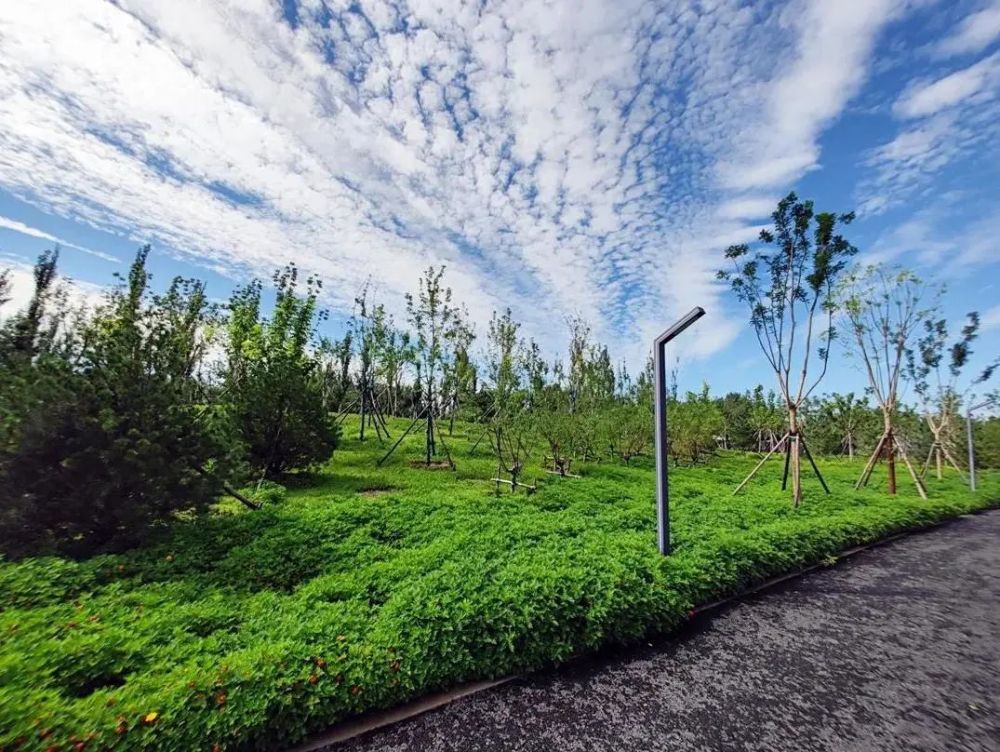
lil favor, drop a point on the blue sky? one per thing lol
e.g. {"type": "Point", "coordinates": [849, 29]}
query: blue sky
{"type": "Point", "coordinates": [564, 158]}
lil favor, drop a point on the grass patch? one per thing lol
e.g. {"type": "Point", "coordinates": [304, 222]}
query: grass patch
{"type": "Point", "coordinates": [364, 587]}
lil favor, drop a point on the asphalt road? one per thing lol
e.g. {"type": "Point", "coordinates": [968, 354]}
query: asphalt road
{"type": "Point", "coordinates": [896, 649]}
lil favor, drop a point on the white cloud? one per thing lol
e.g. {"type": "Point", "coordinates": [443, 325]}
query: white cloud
{"type": "Point", "coordinates": [33, 232]}
{"type": "Point", "coordinates": [980, 79]}
{"type": "Point", "coordinates": [21, 279]}
{"type": "Point", "coordinates": [977, 31]}
{"type": "Point", "coordinates": [829, 63]}
{"type": "Point", "coordinates": [930, 240]}
{"type": "Point", "coordinates": [990, 318]}
{"type": "Point", "coordinates": [559, 156]}
{"type": "Point", "coordinates": [944, 120]}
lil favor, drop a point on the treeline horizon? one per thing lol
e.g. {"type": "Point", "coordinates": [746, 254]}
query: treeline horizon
{"type": "Point", "coordinates": [149, 404]}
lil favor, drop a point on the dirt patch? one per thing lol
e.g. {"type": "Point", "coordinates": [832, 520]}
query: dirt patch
{"type": "Point", "coordinates": [420, 464]}
{"type": "Point", "coordinates": [377, 491]}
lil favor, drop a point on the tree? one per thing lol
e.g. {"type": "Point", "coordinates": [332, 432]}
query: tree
{"type": "Point", "coordinates": [335, 370]}
{"type": "Point", "coordinates": [510, 422]}
{"type": "Point", "coordinates": [694, 424]}
{"type": "Point", "coordinates": [787, 282]}
{"type": "Point", "coordinates": [885, 308]}
{"type": "Point", "coordinates": [629, 430]}
{"type": "Point", "coordinates": [369, 330]}
{"type": "Point", "coordinates": [432, 317]}
{"type": "Point", "coordinates": [4, 287]}
{"type": "Point", "coordinates": [845, 417]}
{"type": "Point", "coordinates": [459, 379]}
{"type": "Point", "coordinates": [939, 390]}
{"type": "Point", "coordinates": [30, 331]}
{"type": "Point", "coordinates": [274, 380]}
{"type": "Point", "coordinates": [393, 353]}
{"type": "Point", "coordinates": [987, 437]}
{"type": "Point", "coordinates": [107, 432]}
{"type": "Point", "coordinates": [764, 419]}
{"type": "Point", "coordinates": [735, 409]}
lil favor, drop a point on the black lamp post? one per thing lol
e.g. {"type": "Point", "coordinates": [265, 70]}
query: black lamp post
{"type": "Point", "coordinates": [660, 411]}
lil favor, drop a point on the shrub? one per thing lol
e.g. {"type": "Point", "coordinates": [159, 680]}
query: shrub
{"type": "Point", "coordinates": [274, 379]}
{"type": "Point", "coordinates": [248, 630]}
{"type": "Point", "coordinates": [103, 431]}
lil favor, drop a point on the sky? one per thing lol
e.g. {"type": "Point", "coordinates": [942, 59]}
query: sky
{"type": "Point", "coordinates": [587, 158]}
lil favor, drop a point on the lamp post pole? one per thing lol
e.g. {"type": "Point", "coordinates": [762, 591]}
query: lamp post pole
{"type": "Point", "coordinates": [660, 416]}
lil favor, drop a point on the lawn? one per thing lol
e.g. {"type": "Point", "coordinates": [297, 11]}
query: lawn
{"type": "Point", "coordinates": [365, 587]}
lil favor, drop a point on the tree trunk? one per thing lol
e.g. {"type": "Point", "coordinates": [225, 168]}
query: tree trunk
{"type": "Point", "coordinates": [890, 460]}
{"type": "Point", "coordinates": [430, 426]}
{"type": "Point", "coordinates": [795, 458]}
{"type": "Point", "coordinates": [364, 392]}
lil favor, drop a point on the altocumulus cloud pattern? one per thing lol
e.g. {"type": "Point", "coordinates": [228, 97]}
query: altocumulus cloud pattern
{"type": "Point", "coordinates": [563, 157]}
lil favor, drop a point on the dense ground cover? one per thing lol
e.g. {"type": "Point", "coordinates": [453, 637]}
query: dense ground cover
{"type": "Point", "coordinates": [364, 587]}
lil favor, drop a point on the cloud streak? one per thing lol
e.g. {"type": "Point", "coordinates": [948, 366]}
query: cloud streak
{"type": "Point", "coordinates": [33, 232]}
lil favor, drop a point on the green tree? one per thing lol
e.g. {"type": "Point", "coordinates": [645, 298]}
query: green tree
{"type": "Point", "coordinates": [393, 353]}
{"type": "Point", "coordinates": [885, 308]}
{"type": "Point", "coordinates": [369, 330]}
{"type": "Point", "coordinates": [335, 370]}
{"type": "Point", "coordinates": [936, 370]}
{"type": "Point", "coordinates": [274, 380]}
{"type": "Point", "coordinates": [844, 418]}
{"type": "Point", "coordinates": [510, 424]}
{"type": "Point", "coordinates": [695, 423]}
{"type": "Point", "coordinates": [432, 317]}
{"type": "Point", "coordinates": [459, 377]}
{"type": "Point", "coordinates": [4, 287]}
{"type": "Point", "coordinates": [787, 283]}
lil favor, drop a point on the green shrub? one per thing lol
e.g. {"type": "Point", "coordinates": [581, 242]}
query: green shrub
{"type": "Point", "coordinates": [103, 432]}
{"type": "Point", "coordinates": [251, 629]}
{"type": "Point", "coordinates": [274, 380]}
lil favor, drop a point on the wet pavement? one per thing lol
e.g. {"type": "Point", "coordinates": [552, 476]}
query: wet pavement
{"type": "Point", "coordinates": [897, 648]}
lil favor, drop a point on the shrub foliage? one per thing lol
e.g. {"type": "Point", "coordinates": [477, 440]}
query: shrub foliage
{"type": "Point", "coordinates": [103, 431]}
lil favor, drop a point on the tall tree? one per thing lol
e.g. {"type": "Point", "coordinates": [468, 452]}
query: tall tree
{"type": "Point", "coordinates": [936, 369]}
{"type": "Point", "coordinates": [369, 330]}
{"type": "Point", "coordinates": [787, 282]}
{"type": "Point", "coordinates": [459, 379]}
{"type": "Point", "coordinates": [432, 317]}
{"type": "Point", "coordinates": [885, 308]}
{"type": "Point", "coordinates": [335, 366]}
{"type": "Point", "coordinates": [510, 423]}
{"type": "Point", "coordinates": [394, 352]}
